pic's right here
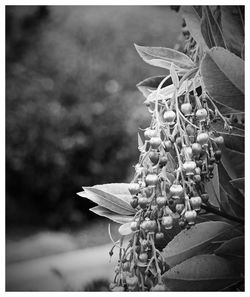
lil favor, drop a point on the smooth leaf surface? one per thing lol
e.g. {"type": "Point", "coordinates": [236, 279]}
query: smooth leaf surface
{"type": "Point", "coordinates": [164, 57]}
{"type": "Point", "coordinates": [201, 273]}
{"type": "Point", "coordinates": [191, 242]}
{"type": "Point", "coordinates": [104, 212]}
{"type": "Point", "coordinates": [211, 29]}
{"type": "Point", "coordinates": [193, 22]}
{"type": "Point", "coordinates": [233, 28]}
{"type": "Point", "coordinates": [233, 162]}
{"type": "Point", "coordinates": [238, 183]}
{"type": "Point", "coordinates": [111, 196]}
{"type": "Point", "coordinates": [223, 76]}
{"type": "Point", "coordinates": [151, 83]}
{"type": "Point", "coordinates": [232, 248]}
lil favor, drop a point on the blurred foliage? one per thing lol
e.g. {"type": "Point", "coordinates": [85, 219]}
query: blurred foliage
{"type": "Point", "coordinates": [72, 108]}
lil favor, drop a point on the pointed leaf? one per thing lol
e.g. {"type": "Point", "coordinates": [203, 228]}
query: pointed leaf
{"type": "Point", "coordinates": [152, 83]}
{"type": "Point", "coordinates": [223, 76]}
{"type": "Point", "coordinates": [104, 212]}
{"type": "Point", "coordinates": [238, 183]}
{"type": "Point", "coordinates": [114, 203]}
{"type": "Point", "coordinates": [191, 242]}
{"type": "Point", "coordinates": [163, 57]}
{"type": "Point", "coordinates": [233, 162]}
{"type": "Point", "coordinates": [233, 28]}
{"type": "Point", "coordinates": [201, 273]}
{"type": "Point", "coordinates": [193, 22]}
{"type": "Point", "coordinates": [214, 31]}
{"type": "Point", "coordinates": [174, 76]}
{"type": "Point", "coordinates": [232, 248]}
{"type": "Point", "coordinates": [125, 229]}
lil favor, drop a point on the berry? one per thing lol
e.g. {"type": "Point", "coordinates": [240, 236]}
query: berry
{"type": "Point", "coordinates": [176, 190]}
{"type": "Point", "coordinates": [190, 130]}
{"type": "Point", "coordinates": [195, 202]}
{"type": "Point", "coordinates": [163, 161]}
{"type": "Point", "coordinates": [186, 108]}
{"type": "Point", "coordinates": [219, 140]}
{"type": "Point", "coordinates": [126, 266]}
{"type": "Point", "coordinates": [204, 197]}
{"type": "Point", "coordinates": [143, 257]}
{"type": "Point", "coordinates": [143, 202]}
{"type": "Point", "coordinates": [148, 191]}
{"type": "Point", "coordinates": [169, 116]}
{"type": "Point", "coordinates": [210, 167]}
{"type": "Point", "coordinates": [134, 226]}
{"type": "Point", "coordinates": [151, 225]}
{"type": "Point", "coordinates": [134, 202]}
{"type": "Point", "coordinates": [179, 207]}
{"type": "Point", "coordinates": [197, 178]}
{"type": "Point", "coordinates": [190, 216]}
{"type": "Point", "coordinates": [132, 281]}
{"type": "Point", "coordinates": [201, 114]}
{"type": "Point", "coordinates": [167, 222]}
{"type": "Point", "coordinates": [167, 145]}
{"type": "Point", "coordinates": [151, 179]}
{"type": "Point", "coordinates": [197, 170]}
{"type": "Point", "coordinates": [149, 133]}
{"type": "Point", "coordinates": [155, 142]}
{"type": "Point", "coordinates": [159, 236]}
{"type": "Point", "coordinates": [178, 141]}
{"type": "Point", "coordinates": [134, 188]}
{"type": "Point", "coordinates": [196, 148]}
{"type": "Point", "coordinates": [154, 157]}
{"type": "Point", "coordinates": [199, 163]}
{"type": "Point", "coordinates": [189, 167]}
{"type": "Point", "coordinates": [161, 201]}
{"type": "Point", "coordinates": [217, 155]}
{"type": "Point", "coordinates": [202, 138]}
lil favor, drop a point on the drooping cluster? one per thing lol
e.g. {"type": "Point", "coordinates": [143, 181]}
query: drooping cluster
{"type": "Point", "coordinates": [178, 157]}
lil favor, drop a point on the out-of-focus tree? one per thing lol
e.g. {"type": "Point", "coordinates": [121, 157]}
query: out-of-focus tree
{"type": "Point", "coordinates": [72, 109]}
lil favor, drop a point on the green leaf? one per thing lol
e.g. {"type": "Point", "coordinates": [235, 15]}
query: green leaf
{"type": "Point", "coordinates": [164, 57]}
{"type": "Point", "coordinates": [233, 162]}
{"type": "Point", "coordinates": [193, 22]}
{"type": "Point", "coordinates": [193, 241]}
{"type": "Point", "coordinates": [114, 197]}
{"type": "Point", "coordinates": [201, 273]}
{"type": "Point", "coordinates": [223, 76]}
{"type": "Point", "coordinates": [125, 229]}
{"type": "Point", "coordinates": [210, 28]}
{"type": "Point", "coordinates": [238, 183]}
{"type": "Point", "coordinates": [174, 76]}
{"type": "Point", "coordinates": [232, 248]}
{"type": "Point", "coordinates": [233, 28]}
{"type": "Point", "coordinates": [151, 83]}
{"type": "Point", "coordinates": [104, 212]}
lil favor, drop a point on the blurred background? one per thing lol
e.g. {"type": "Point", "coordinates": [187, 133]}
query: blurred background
{"type": "Point", "coordinates": [72, 115]}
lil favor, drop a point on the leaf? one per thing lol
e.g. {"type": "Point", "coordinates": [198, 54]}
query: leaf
{"type": "Point", "coordinates": [201, 273]}
{"type": "Point", "coordinates": [164, 57]}
{"type": "Point", "coordinates": [233, 28]}
{"type": "Point", "coordinates": [213, 189]}
{"type": "Point", "coordinates": [193, 22]}
{"type": "Point", "coordinates": [118, 203]}
{"type": "Point", "coordinates": [152, 83]}
{"type": "Point", "coordinates": [238, 183]}
{"type": "Point", "coordinates": [125, 229]}
{"type": "Point", "coordinates": [174, 76]}
{"type": "Point", "coordinates": [104, 212]}
{"type": "Point", "coordinates": [232, 248]}
{"type": "Point", "coordinates": [210, 28]}
{"type": "Point", "coordinates": [233, 162]}
{"type": "Point", "coordinates": [190, 242]}
{"type": "Point", "coordinates": [223, 77]}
